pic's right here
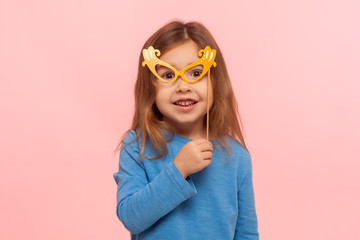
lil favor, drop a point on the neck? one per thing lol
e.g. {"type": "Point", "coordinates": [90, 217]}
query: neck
{"type": "Point", "coordinates": [191, 133]}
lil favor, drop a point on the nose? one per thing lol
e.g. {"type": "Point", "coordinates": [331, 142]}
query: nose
{"type": "Point", "coordinates": [183, 86]}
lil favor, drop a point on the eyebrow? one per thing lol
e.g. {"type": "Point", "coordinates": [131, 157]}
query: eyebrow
{"type": "Point", "coordinates": [173, 65]}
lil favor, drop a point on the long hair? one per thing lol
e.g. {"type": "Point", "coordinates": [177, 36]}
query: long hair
{"type": "Point", "coordinates": [148, 121]}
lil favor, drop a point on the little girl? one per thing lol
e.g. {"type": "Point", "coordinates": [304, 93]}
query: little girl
{"type": "Point", "coordinates": [184, 169]}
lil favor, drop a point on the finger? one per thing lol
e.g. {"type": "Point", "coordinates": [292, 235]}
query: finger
{"type": "Point", "coordinates": [206, 163]}
{"type": "Point", "coordinates": [200, 141]}
{"type": "Point", "coordinates": [207, 155]}
{"type": "Point", "coordinates": [204, 147]}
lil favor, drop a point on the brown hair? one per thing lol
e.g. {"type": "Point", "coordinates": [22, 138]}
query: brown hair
{"type": "Point", "coordinates": [147, 120]}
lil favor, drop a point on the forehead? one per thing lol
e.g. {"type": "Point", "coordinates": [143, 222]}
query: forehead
{"type": "Point", "coordinates": [181, 55]}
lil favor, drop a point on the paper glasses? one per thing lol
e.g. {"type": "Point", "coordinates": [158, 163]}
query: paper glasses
{"type": "Point", "coordinates": [167, 73]}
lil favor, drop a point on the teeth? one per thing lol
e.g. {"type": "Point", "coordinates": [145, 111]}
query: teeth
{"type": "Point", "coordinates": [185, 103]}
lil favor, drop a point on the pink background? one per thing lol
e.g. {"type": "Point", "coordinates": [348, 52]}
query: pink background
{"type": "Point", "coordinates": [67, 71]}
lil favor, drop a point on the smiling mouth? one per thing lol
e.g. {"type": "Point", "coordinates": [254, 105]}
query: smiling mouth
{"type": "Point", "coordinates": [185, 103]}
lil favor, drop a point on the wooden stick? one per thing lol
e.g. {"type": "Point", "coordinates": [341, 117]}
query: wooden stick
{"type": "Point", "coordinates": [207, 110]}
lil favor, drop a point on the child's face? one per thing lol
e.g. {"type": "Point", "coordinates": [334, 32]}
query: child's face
{"type": "Point", "coordinates": [179, 116]}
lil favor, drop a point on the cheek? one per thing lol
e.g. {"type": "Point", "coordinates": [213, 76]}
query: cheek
{"type": "Point", "coordinates": [211, 97]}
{"type": "Point", "coordinates": [162, 96]}
{"type": "Point", "coordinates": [203, 86]}
{"type": "Point", "coordinates": [158, 100]}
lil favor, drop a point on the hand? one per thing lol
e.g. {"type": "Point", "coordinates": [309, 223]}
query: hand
{"type": "Point", "coordinates": [194, 156]}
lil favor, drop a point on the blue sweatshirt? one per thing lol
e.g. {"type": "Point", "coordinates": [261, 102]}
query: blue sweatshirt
{"type": "Point", "coordinates": [155, 202]}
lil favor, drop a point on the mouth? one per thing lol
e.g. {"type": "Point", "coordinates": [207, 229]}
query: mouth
{"type": "Point", "coordinates": [185, 106]}
{"type": "Point", "coordinates": [185, 103]}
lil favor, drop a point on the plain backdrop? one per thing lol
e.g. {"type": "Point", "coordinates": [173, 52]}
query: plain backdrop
{"type": "Point", "coordinates": [67, 71]}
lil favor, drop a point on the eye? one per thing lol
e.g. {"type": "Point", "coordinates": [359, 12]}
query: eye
{"type": "Point", "coordinates": [168, 75]}
{"type": "Point", "coordinates": [196, 73]}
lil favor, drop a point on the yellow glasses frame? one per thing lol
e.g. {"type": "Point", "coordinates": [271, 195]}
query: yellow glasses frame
{"type": "Point", "coordinates": [207, 56]}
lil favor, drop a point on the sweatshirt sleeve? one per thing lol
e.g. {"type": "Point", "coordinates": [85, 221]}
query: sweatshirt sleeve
{"type": "Point", "coordinates": [247, 225]}
{"type": "Point", "coordinates": [141, 203]}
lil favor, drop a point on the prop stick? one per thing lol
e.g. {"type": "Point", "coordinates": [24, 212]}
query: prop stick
{"type": "Point", "coordinates": [207, 110]}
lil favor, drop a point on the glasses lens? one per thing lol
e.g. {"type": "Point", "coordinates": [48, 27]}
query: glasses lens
{"type": "Point", "coordinates": [165, 73]}
{"type": "Point", "coordinates": [194, 73]}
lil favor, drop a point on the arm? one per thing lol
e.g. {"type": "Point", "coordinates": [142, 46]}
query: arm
{"type": "Point", "coordinates": [247, 226]}
{"type": "Point", "coordinates": [141, 203]}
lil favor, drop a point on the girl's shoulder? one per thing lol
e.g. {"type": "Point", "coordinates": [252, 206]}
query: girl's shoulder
{"type": "Point", "coordinates": [234, 144]}
{"type": "Point", "coordinates": [237, 149]}
{"type": "Point", "coordinates": [130, 140]}
{"type": "Point", "coordinates": [130, 136]}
